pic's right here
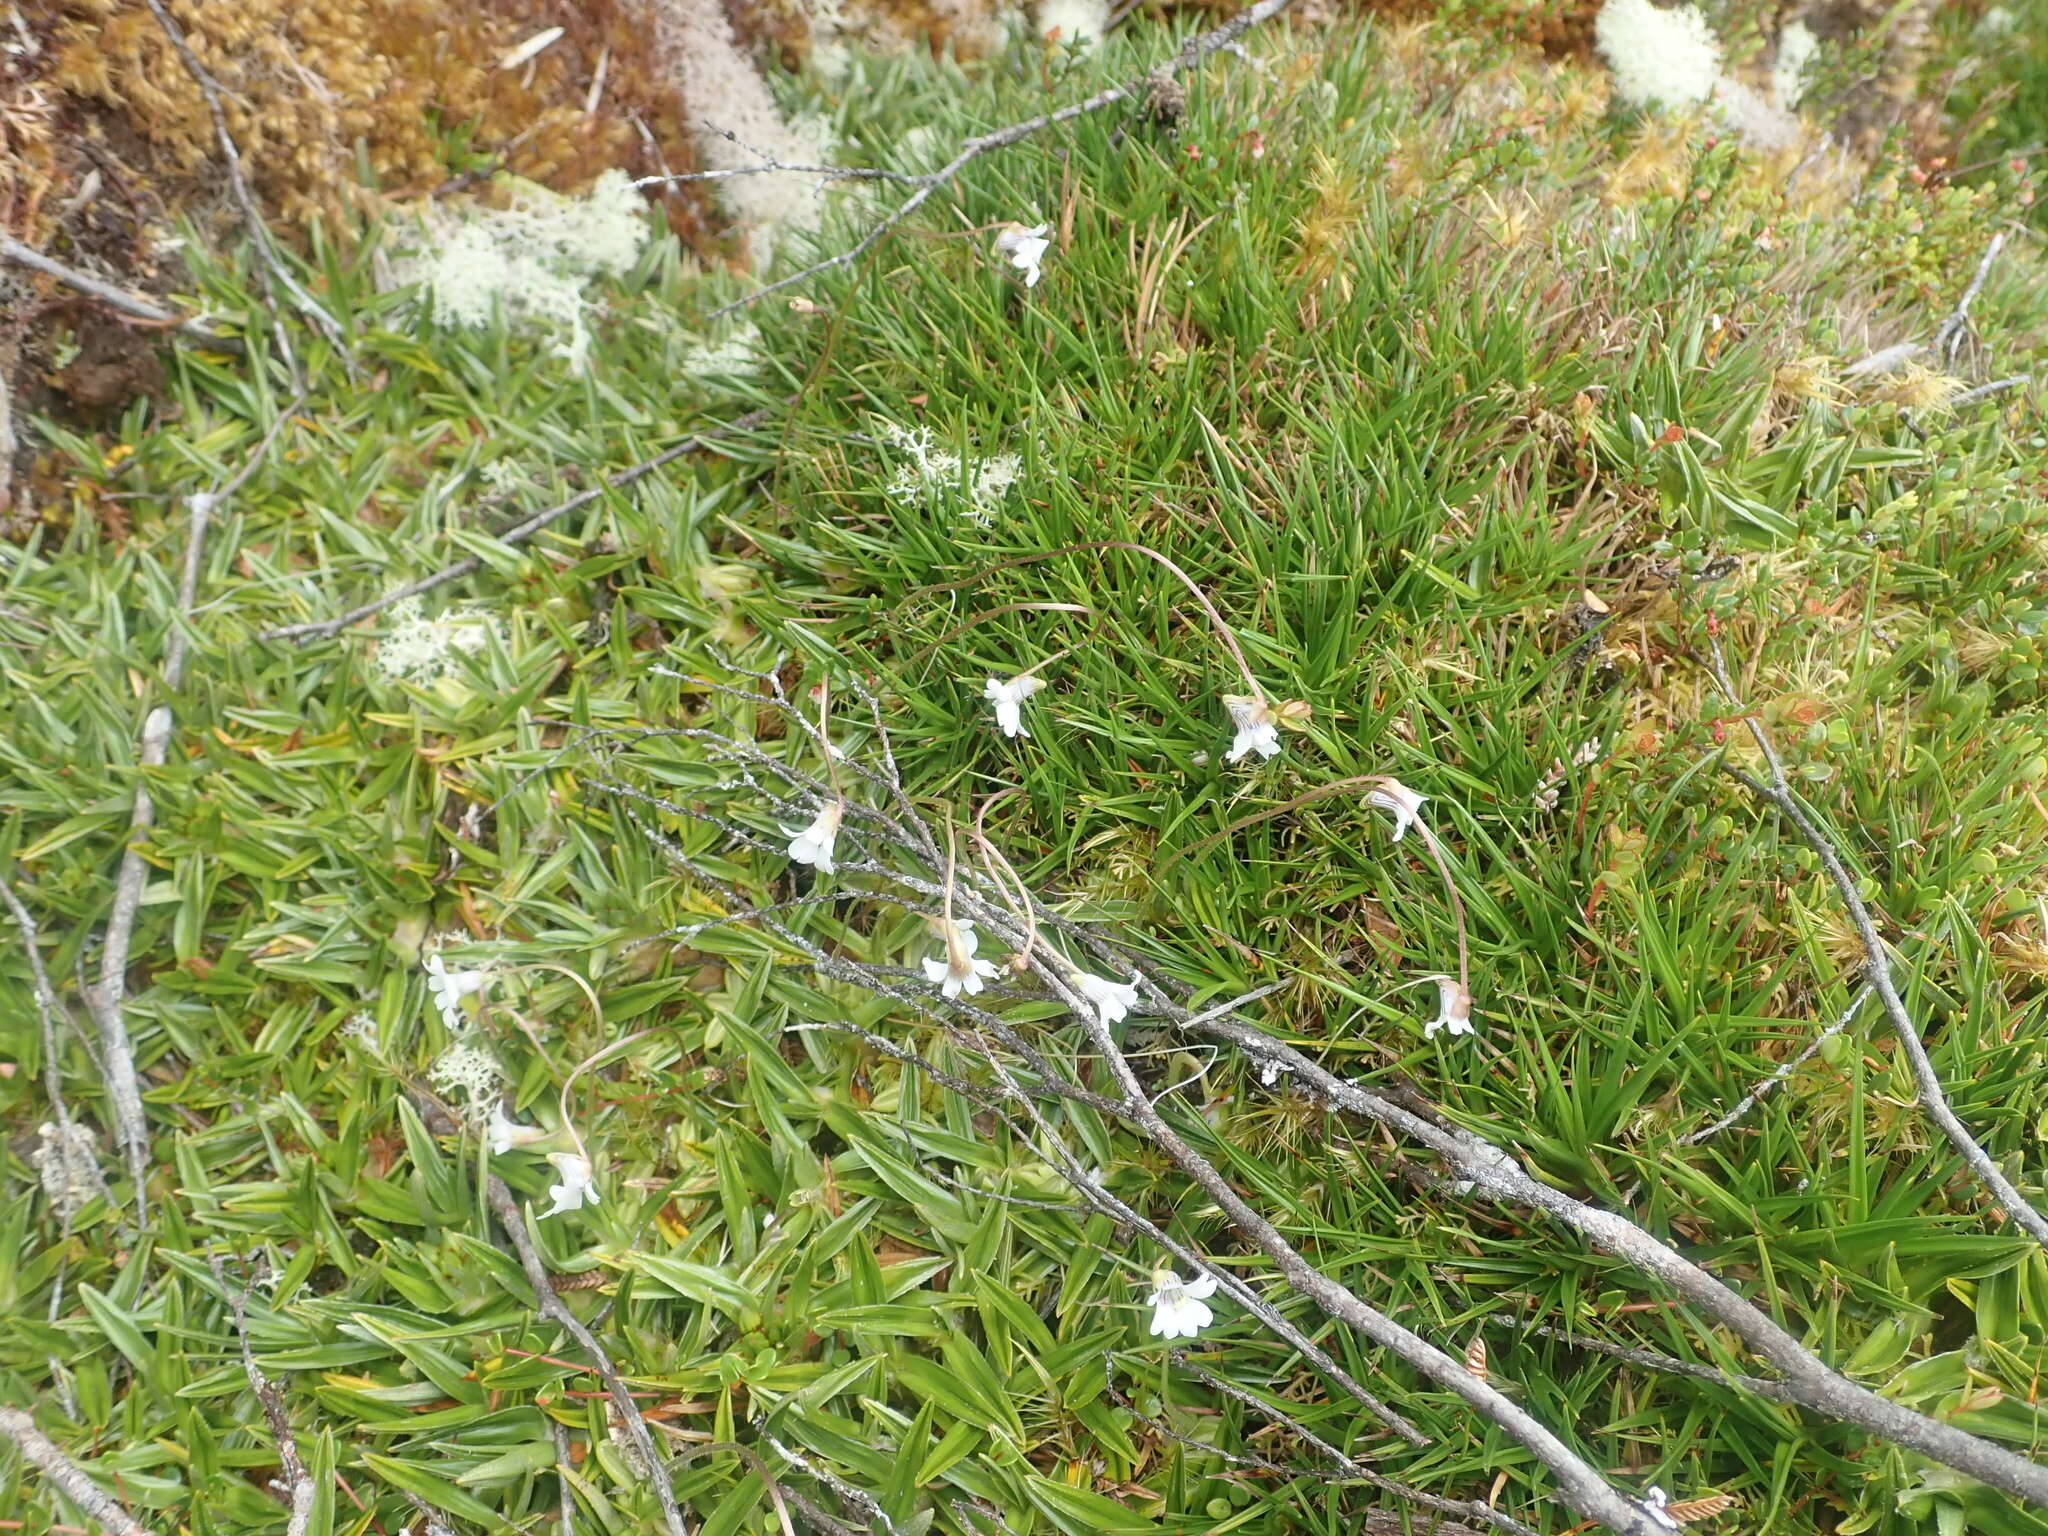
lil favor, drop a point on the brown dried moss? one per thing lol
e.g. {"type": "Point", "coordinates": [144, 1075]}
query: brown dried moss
{"type": "Point", "coordinates": [334, 103]}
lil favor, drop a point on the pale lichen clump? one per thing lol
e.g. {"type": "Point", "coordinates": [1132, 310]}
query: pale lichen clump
{"type": "Point", "coordinates": [422, 651]}
{"type": "Point", "coordinates": [929, 473]}
{"type": "Point", "coordinates": [66, 1160]}
{"type": "Point", "coordinates": [530, 257]}
{"type": "Point", "coordinates": [739, 124]}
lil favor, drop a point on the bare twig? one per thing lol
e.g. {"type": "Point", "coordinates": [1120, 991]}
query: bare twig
{"type": "Point", "coordinates": [1348, 1467]}
{"type": "Point", "coordinates": [64, 1474]}
{"type": "Point", "coordinates": [770, 165]}
{"type": "Point", "coordinates": [1995, 387]}
{"type": "Point", "coordinates": [513, 1220]}
{"type": "Point", "coordinates": [124, 1088]}
{"type": "Point", "coordinates": [1950, 334]}
{"type": "Point", "coordinates": [516, 535]}
{"type": "Point", "coordinates": [298, 1482]}
{"type": "Point", "coordinates": [903, 857]}
{"type": "Point", "coordinates": [1491, 1171]}
{"type": "Point", "coordinates": [120, 299]}
{"type": "Point", "coordinates": [47, 1004]}
{"type": "Point", "coordinates": [269, 264]}
{"type": "Point", "coordinates": [1877, 962]}
{"type": "Point", "coordinates": [1785, 1070]}
{"type": "Point", "coordinates": [1192, 52]}
{"type": "Point", "coordinates": [1649, 1360]}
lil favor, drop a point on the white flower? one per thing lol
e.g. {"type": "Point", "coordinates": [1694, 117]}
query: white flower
{"type": "Point", "coordinates": [1258, 728]}
{"type": "Point", "coordinates": [1008, 698]}
{"type": "Point", "coordinates": [1453, 1009]}
{"type": "Point", "coordinates": [1406, 805]}
{"type": "Point", "coordinates": [1654, 1500]}
{"type": "Point", "coordinates": [1025, 248]}
{"type": "Point", "coordinates": [507, 1133]}
{"type": "Point", "coordinates": [1180, 1311]}
{"type": "Point", "coordinates": [1112, 999]}
{"type": "Point", "coordinates": [958, 971]}
{"type": "Point", "coordinates": [448, 988]}
{"type": "Point", "coordinates": [813, 845]}
{"type": "Point", "coordinates": [576, 1190]}
{"type": "Point", "coordinates": [1658, 57]}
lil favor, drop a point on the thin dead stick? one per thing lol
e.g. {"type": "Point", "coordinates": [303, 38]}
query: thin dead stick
{"type": "Point", "coordinates": [120, 299]}
{"type": "Point", "coordinates": [65, 1476]}
{"type": "Point", "coordinates": [1649, 1360]}
{"type": "Point", "coordinates": [512, 537]}
{"type": "Point", "coordinates": [1785, 1070]}
{"type": "Point", "coordinates": [1877, 963]}
{"type": "Point", "coordinates": [299, 1484]}
{"type": "Point", "coordinates": [1499, 1176]}
{"type": "Point", "coordinates": [1996, 386]}
{"type": "Point", "coordinates": [513, 1220]}
{"type": "Point", "coordinates": [269, 264]}
{"type": "Point", "coordinates": [1948, 336]}
{"type": "Point", "coordinates": [565, 1495]}
{"type": "Point", "coordinates": [1344, 1466]}
{"type": "Point", "coordinates": [1192, 52]}
{"type": "Point", "coordinates": [47, 1004]}
{"type": "Point", "coordinates": [1579, 1483]}
{"type": "Point", "coordinates": [124, 1088]}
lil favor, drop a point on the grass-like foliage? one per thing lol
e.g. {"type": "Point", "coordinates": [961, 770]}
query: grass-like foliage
{"type": "Point", "coordinates": [1473, 412]}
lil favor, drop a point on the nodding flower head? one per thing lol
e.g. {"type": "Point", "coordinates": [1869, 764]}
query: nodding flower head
{"type": "Point", "coordinates": [1008, 699]}
{"type": "Point", "coordinates": [957, 971]}
{"type": "Point", "coordinates": [1258, 727]}
{"type": "Point", "coordinates": [1180, 1310]}
{"type": "Point", "coordinates": [575, 1189]}
{"type": "Point", "coordinates": [1453, 1009]}
{"type": "Point", "coordinates": [1393, 796]}
{"type": "Point", "coordinates": [813, 845]}
{"type": "Point", "coordinates": [1112, 999]}
{"type": "Point", "coordinates": [507, 1133]}
{"type": "Point", "coordinates": [1025, 248]}
{"type": "Point", "coordinates": [448, 988]}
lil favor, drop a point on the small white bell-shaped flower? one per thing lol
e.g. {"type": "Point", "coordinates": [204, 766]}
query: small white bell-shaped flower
{"type": "Point", "coordinates": [1453, 1010]}
{"type": "Point", "coordinates": [448, 988]}
{"type": "Point", "coordinates": [575, 1189]}
{"type": "Point", "coordinates": [1112, 999]}
{"type": "Point", "coordinates": [507, 1133]}
{"type": "Point", "coordinates": [1180, 1310]}
{"type": "Point", "coordinates": [1008, 699]}
{"type": "Point", "coordinates": [957, 970]}
{"type": "Point", "coordinates": [813, 845]}
{"type": "Point", "coordinates": [1393, 796]}
{"type": "Point", "coordinates": [1258, 727]}
{"type": "Point", "coordinates": [1025, 248]}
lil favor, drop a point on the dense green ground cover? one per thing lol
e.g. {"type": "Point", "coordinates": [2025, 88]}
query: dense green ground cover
{"type": "Point", "coordinates": [1470, 408]}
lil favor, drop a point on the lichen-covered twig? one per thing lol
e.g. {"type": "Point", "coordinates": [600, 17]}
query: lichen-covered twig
{"type": "Point", "coordinates": [64, 1474]}
{"type": "Point", "coordinates": [1649, 1360]}
{"type": "Point", "coordinates": [300, 1489]}
{"type": "Point", "coordinates": [513, 1220]}
{"type": "Point", "coordinates": [124, 1088]}
{"type": "Point", "coordinates": [1785, 1070]}
{"type": "Point", "coordinates": [512, 537]}
{"type": "Point", "coordinates": [1777, 789]}
{"type": "Point", "coordinates": [1497, 1175]}
{"type": "Point", "coordinates": [1192, 52]}
{"type": "Point", "coordinates": [269, 265]}
{"type": "Point", "coordinates": [118, 299]}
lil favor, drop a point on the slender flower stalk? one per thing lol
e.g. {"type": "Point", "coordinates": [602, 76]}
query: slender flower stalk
{"type": "Point", "coordinates": [815, 844]}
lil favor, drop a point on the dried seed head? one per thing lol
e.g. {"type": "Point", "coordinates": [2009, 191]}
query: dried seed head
{"type": "Point", "coordinates": [1693, 1511]}
{"type": "Point", "coordinates": [1475, 1359]}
